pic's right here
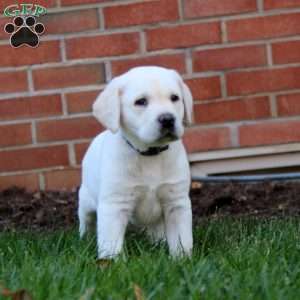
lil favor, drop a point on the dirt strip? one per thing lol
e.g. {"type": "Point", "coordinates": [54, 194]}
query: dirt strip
{"type": "Point", "coordinates": [51, 210]}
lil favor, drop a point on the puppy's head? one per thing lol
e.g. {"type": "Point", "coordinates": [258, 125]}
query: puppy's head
{"type": "Point", "coordinates": [152, 104]}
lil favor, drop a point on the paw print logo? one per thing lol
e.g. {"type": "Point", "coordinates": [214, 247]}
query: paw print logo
{"type": "Point", "coordinates": [24, 31]}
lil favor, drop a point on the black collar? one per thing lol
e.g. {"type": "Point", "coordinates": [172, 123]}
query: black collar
{"type": "Point", "coordinates": [151, 150]}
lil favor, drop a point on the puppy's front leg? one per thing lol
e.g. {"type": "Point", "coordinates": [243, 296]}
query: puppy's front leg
{"type": "Point", "coordinates": [112, 220]}
{"type": "Point", "coordinates": [178, 220]}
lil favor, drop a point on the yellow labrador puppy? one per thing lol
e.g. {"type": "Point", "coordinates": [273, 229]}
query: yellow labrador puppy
{"type": "Point", "coordinates": [137, 171]}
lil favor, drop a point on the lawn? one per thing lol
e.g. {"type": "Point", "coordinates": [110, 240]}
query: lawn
{"type": "Point", "coordinates": [233, 259]}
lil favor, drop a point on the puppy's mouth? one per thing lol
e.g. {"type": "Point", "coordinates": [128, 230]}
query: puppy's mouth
{"type": "Point", "coordinates": [168, 135]}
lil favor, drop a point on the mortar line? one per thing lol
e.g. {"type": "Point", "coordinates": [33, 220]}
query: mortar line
{"type": "Point", "coordinates": [269, 54]}
{"type": "Point", "coordinates": [64, 104]}
{"type": "Point", "coordinates": [180, 10]}
{"type": "Point", "coordinates": [30, 80]}
{"type": "Point", "coordinates": [223, 85]}
{"type": "Point", "coordinates": [143, 42]}
{"type": "Point", "coordinates": [37, 171]}
{"type": "Point", "coordinates": [108, 71]}
{"type": "Point", "coordinates": [101, 19]}
{"type": "Point", "coordinates": [260, 5]}
{"type": "Point", "coordinates": [273, 106]}
{"type": "Point", "coordinates": [63, 52]}
{"type": "Point", "coordinates": [189, 62]}
{"type": "Point", "coordinates": [33, 132]}
{"type": "Point", "coordinates": [42, 181]}
{"type": "Point", "coordinates": [234, 135]}
{"type": "Point", "coordinates": [224, 32]}
{"type": "Point", "coordinates": [72, 155]}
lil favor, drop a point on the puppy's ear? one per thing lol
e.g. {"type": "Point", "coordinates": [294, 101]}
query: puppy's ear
{"type": "Point", "coordinates": [188, 104]}
{"type": "Point", "coordinates": [107, 107]}
{"type": "Point", "coordinates": [187, 101]}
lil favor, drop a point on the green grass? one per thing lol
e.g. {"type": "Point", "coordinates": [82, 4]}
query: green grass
{"type": "Point", "coordinates": [233, 259]}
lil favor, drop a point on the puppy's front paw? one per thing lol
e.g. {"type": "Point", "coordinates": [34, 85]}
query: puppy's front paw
{"type": "Point", "coordinates": [181, 253]}
{"type": "Point", "coordinates": [108, 254]}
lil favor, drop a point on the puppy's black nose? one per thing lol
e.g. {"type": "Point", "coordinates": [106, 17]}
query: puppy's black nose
{"type": "Point", "coordinates": [167, 121]}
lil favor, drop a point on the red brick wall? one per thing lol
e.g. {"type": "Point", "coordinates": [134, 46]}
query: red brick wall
{"type": "Point", "coordinates": [241, 59]}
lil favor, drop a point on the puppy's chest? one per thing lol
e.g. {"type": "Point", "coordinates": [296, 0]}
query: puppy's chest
{"type": "Point", "coordinates": [148, 206]}
{"type": "Point", "coordinates": [154, 187]}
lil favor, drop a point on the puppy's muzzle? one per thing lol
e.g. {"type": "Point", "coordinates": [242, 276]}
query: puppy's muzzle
{"type": "Point", "coordinates": [167, 122]}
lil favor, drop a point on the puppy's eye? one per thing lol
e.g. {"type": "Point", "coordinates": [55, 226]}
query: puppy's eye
{"type": "Point", "coordinates": [141, 102]}
{"type": "Point", "coordinates": [174, 98]}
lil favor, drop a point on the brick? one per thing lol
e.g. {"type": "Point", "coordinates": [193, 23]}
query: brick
{"type": "Point", "coordinates": [33, 158]}
{"type": "Point", "coordinates": [45, 3]}
{"type": "Point", "coordinates": [203, 139]}
{"type": "Point", "coordinates": [12, 82]}
{"type": "Point", "coordinates": [102, 45]}
{"type": "Point", "coordinates": [288, 105]}
{"type": "Point", "coordinates": [28, 181]}
{"type": "Point", "coordinates": [81, 102]}
{"type": "Point", "coordinates": [73, 21]}
{"type": "Point", "coordinates": [174, 61]}
{"type": "Point", "coordinates": [63, 77]}
{"type": "Point", "coordinates": [181, 36]}
{"type": "Point", "coordinates": [286, 52]}
{"type": "Point", "coordinates": [67, 129]}
{"type": "Point", "coordinates": [78, 2]}
{"type": "Point", "coordinates": [66, 179]}
{"type": "Point", "coordinates": [205, 88]}
{"type": "Point", "coordinates": [205, 8]}
{"type": "Point", "coordinates": [229, 58]}
{"type": "Point", "coordinates": [141, 13]}
{"type": "Point", "coordinates": [275, 4]}
{"type": "Point", "coordinates": [242, 83]}
{"type": "Point", "coordinates": [80, 150]}
{"type": "Point", "coordinates": [263, 27]}
{"type": "Point", "coordinates": [3, 34]}
{"type": "Point", "coordinates": [234, 110]}
{"type": "Point", "coordinates": [269, 133]}
{"type": "Point", "coordinates": [44, 53]}
{"type": "Point", "coordinates": [17, 134]}
{"type": "Point", "coordinates": [30, 107]}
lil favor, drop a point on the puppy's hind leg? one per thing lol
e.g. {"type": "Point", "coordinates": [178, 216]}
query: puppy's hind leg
{"type": "Point", "coordinates": [86, 211]}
